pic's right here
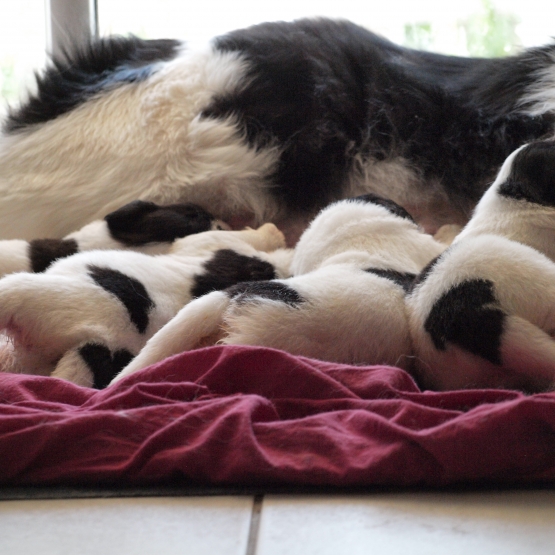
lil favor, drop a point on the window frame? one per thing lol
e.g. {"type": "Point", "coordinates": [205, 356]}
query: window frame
{"type": "Point", "coordinates": [69, 22]}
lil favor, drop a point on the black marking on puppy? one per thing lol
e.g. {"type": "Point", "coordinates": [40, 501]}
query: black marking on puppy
{"type": "Point", "coordinates": [43, 252]}
{"type": "Point", "coordinates": [141, 222]}
{"type": "Point", "coordinates": [104, 364]}
{"type": "Point", "coordinates": [272, 290]}
{"type": "Point", "coordinates": [403, 279]}
{"type": "Point", "coordinates": [422, 276]}
{"type": "Point", "coordinates": [101, 65]}
{"type": "Point", "coordinates": [131, 292]}
{"type": "Point", "coordinates": [393, 207]}
{"type": "Point", "coordinates": [532, 176]}
{"type": "Point", "coordinates": [468, 315]}
{"type": "Point", "coordinates": [227, 268]}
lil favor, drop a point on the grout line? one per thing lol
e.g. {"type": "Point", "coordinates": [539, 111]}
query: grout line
{"type": "Point", "coordinates": [254, 525]}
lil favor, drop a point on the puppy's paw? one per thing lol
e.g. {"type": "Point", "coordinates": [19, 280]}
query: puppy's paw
{"type": "Point", "coordinates": [273, 238]}
{"type": "Point", "coordinates": [92, 365]}
{"type": "Point", "coordinates": [446, 233]}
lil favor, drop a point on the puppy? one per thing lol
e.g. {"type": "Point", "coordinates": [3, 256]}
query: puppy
{"type": "Point", "coordinates": [87, 315]}
{"type": "Point", "coordinates": [483, 313]}
{"type": "Point", "coordinates": [269, 123]}
{"type": "Point", "coordinates": [344, 303]}
{"type": "Point", "coordinates": [139, 226]}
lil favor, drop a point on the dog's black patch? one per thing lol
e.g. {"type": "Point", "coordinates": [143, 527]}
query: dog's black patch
{"type": "Point", "coordinates": [141, 222]}
{"type": "Point", "coordinates": [393, 207]}
{"type": "Point", "coordinates": [272, 290]}
{"type": "Point", "coordinates": [468, 315]}
{"type": "Point", "coordinates": [532, 176]}
{"type": "Point", "coordinates": [329, 91]}
{"type": "Point", "coordinates": [104, 364]}
{"type": "Point", "coordinates": [43, 252]}
{"type": "Point", "coordinates": [131, 292]}
{"type": "Point", "coordinates": [403, 279]}
{"type": "Point", "coordinates": [102, 65]}
{"type": "Point", "coordinates": [227, 268]}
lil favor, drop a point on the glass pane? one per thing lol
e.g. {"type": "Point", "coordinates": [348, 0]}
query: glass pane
{"type": "Point", "coordinates": [22, 47]}
{"type": "Point", "coordinates": [476, 27]}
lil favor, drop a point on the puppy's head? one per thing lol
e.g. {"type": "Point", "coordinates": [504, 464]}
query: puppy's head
{"type": "Point", "coordinates": [531, 176]}
{"type": "Point", "coordinates": [521, 200]}
{"type": "Point", "coordinates": [141, 222]}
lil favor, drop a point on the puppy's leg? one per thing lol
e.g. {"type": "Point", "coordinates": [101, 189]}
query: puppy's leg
{"type": "Point", "coordinates": [528, 355]}
{"type": "Point", "coordinates": [91, 365]}
{"type": "Point", "coordinates": [265, 239]}
{"type": "Point", "coordinates": [446, 233]}
{"type": "Point", "coordinates": [196, 325]}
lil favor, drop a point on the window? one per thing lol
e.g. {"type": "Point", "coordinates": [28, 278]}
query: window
{"type": "Point", "coordinates": [22, 46]}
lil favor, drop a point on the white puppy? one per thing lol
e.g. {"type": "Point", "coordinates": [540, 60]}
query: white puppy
{"type": "Point", "coordinates": [139, 226]}
{"type": "Point", "coordinates": [345, 302]}
{"type": "Point", "coordinates": [483, 313]}
{"type": "Point", "coordinates": [89, 314]}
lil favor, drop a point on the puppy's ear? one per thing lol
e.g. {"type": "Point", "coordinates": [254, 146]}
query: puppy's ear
{"type": "Point", "coordinates": [532, 175]}
{"type": "Point", "coordinates": [392, 206]}
{"type": "Point", "coordinates": [141, 222]}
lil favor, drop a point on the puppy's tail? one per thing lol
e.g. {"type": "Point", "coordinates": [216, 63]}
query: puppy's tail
{"type": "Point", "coordinates": [198, 324]}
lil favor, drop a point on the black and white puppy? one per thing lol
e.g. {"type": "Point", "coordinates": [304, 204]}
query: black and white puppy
{"type": "Point", "coordinates": [87, 315]}
{"type": "Point", "coordinates": [269, 123]}
{"type": "Point", "coordinates": [483, 313]}
{"type": "Point", "coordinates": [139, 226]}
{"type": "Point", "coordinates": [344, 303]}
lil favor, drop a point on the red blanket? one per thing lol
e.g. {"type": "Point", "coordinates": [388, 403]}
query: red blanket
{"type": "Point", "coordinates": [245, 415]}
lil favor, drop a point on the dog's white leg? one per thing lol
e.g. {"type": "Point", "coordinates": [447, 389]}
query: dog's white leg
{"type": "Point", "coordinates": [196, 325]}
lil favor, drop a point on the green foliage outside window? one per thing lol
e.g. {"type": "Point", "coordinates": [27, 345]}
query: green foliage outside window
{"type": "Point", "coordinates": [489, 33]}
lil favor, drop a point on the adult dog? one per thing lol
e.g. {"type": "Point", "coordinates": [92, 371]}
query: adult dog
{"type": "Point", "coordinates": [269, 123]}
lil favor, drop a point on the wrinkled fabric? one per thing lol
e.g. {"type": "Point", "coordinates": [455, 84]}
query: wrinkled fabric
{"type": "Point", "coordinates": [248, 415]}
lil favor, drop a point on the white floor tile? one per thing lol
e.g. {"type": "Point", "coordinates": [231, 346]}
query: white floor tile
{"type": "Point", "coordinates": [409, 524]}
{"type": "Point", "coordinates": [187, 525]}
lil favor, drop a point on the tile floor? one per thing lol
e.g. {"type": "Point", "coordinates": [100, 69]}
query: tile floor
{"type": "Point", "coordinates": [511, 522]}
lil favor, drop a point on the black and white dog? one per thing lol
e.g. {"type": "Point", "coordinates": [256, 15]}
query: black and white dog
{"type": "Point", "coordinates": [139, 226]}
{"type": "Point", "coordinates": [270, 123]}
{"type": "Point", "coordinates": [87, 315]}
{"type": "Point", "coordinates": [345, 301]}
{"type": "Point", "coordinates": [483, 313]}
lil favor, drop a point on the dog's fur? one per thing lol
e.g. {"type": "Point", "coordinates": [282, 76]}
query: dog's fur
{"type": "Point", "coordinates": [139, 226]}
{"type": "Point", "coordinates": [87, 315]}
{"type": "Point", "coordinates": [483, 313]}
{"type": "Point", "coordinates": [344, 303]}
{"type": "Point", "coordinates": [269, 123]}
